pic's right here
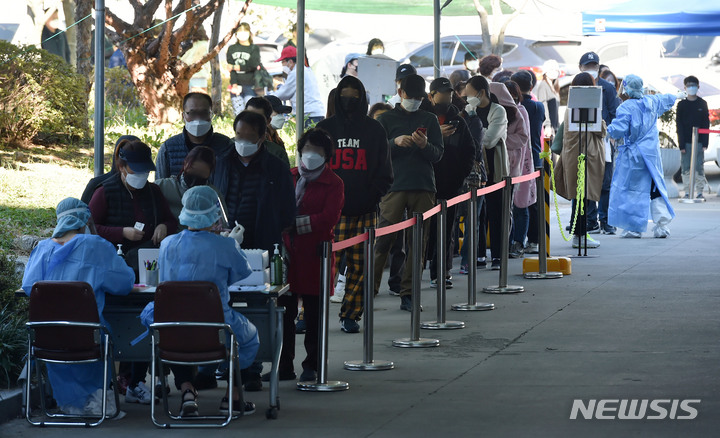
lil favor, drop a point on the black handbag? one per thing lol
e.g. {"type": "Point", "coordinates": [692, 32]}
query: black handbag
{"type": "Point", "coordinates": [262, 78]}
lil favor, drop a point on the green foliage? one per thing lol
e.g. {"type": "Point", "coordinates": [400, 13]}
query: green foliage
{"type": "Point", "coordinates": [12, 321]}
{"type": "Point", "coordinates": [41, 95]}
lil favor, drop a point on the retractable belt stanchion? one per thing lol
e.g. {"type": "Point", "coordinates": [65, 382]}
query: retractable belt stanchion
{"type": "Point", "coordinates": [368, 363]}
{"type": "Point", "coordinates": [542, 253]}
{"type": "Point", "coordinates": [441, 323]}
{"type": "Point", "coordinates": [471, 242]}
{"type": "Point", "coordinates": [414, 340]}
{"type": "Point", "coordinates": [502, 287]}
{"type": "Point", "coordinates": [693, 156]}
{"type": "Point", "coordinates": [322, 384]}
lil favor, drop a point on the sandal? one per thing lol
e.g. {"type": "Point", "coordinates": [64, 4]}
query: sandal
{"type": "Point", "coordinates": [189, 406]}
{"type": "Point", "coordinates": [225, 404]}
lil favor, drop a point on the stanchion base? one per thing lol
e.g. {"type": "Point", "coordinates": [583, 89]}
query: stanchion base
{"type": "Point", "coordinates": [447, 325]}
{"type": "Point", "coordinates": [503, 290]}
{"type": "Point", "coordinates": [543, 276]}
{"type": "Point", "coordinates": [471, 307]}
{"type": "Point", "coordinates": [419, 343]}
{"type": "Point", "coordinates": [330, 386]}
{"type": "Point", "coordinates": [691, 201]}
{"type": "Point", "coordinates": [375, 365]}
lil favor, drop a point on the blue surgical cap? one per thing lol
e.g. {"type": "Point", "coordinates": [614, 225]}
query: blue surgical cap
{"type": "Point", "coordinates": [633, 86]}
{"type": "Point", "coordinates": [201, 207]}
{"type": "Point", "coordinates": [350, 56]}
{"type": "Point", "coordinates": [72, 214]}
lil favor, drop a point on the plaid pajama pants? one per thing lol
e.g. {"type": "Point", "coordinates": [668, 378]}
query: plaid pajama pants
{"type": "Point", "coordinates": [349, 227]}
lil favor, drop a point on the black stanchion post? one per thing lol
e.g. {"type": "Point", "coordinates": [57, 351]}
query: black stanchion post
{"type": "Point", "coordinates": [502, 287]}
{"type": "Point", "coordinates": [322, 384]}
{"type": "Point", "coordinates": [369, 363]}
{"type": "Point", "coordinates": [415, 340]}
{"type": "Point", "coordinates": [542, 272]}
{"type": "Point", "coordinates": [441, 323]}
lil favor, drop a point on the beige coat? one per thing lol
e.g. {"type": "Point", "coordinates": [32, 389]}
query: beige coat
{"type": "Point", "coordinates": [566, 166]}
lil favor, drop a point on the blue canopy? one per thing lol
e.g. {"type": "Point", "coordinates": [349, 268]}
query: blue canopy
{"type": "Point", "coordinates": [668, 17]}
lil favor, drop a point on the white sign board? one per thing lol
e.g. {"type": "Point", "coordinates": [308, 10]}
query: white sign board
{"type": "Point", "coordinates": [585, 105]}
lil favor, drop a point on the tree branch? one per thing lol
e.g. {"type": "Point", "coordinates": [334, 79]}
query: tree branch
{"type": "Point", "coordinates": [121, 27]}
{"type": "Point", "coordinates": [189, 71]}
{"type": "Point", "coordinates": [485, 26]}
{"type": "Point", "coordinates": [165, 37]}
{"type": "Point", "coordinates": [498, 49]}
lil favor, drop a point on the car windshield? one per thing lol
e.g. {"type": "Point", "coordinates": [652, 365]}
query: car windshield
{"type": "Point", "coordinates": [687, 46]}
{"type": "Point", "coordinates": [567, 52]}
{"type": "Point", "coordinates": [424, 57]}
{"type": "Point", "coordinates": [476, 47]}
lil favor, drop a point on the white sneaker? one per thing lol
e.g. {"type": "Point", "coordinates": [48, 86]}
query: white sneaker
{"type": "Point", "coordinates": [591, 243]}
{"type": "Point", "coordinates": [627, 234]}
{"type": "Point", "coordinates": [338, 297]}
{"type": "Point", "coordinates": [139, 394]}
{"type": "Point", "coordinates": [661, 232]}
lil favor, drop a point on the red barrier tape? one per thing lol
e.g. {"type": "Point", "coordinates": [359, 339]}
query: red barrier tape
{"type": "Point", "coordinates": [394, 228]}
{"type": "Point", "coordinates": [347, 243]}
{"type": "Point", "coordinates": [338, 246]}
{"type": "Point", "coordinates": [522, 179]}
{"type": "Point", "coordinates": [708, 131]}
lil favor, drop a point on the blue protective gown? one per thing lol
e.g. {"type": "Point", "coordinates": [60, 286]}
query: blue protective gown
{"type": "Point", "coordinates": [638, 161]}
{"type": "Point", "coordinates": [87, 258]}
{"type": "Point", "coordinates": [204, 256]}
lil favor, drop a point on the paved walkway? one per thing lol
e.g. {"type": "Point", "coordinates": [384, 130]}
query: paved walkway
{"type": "Point", "coordinates": [638, 320]}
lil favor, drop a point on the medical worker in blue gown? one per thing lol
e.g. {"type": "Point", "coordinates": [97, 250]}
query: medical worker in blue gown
{"type": "Point", "coordinates": [638, 188]}
{"type": "Point", "coordinates": [73, 254]}
{"type": "Point", "coordinates": [196, 254]}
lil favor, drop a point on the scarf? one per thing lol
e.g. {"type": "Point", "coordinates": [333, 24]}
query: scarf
{"type": "Point", "coordinates": [306, 176]}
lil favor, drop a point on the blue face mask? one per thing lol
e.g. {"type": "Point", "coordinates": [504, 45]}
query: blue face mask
{"type": "Point", "coordinates": [692, 91]}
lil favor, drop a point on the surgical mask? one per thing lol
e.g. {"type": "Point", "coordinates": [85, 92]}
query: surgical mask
{"type": "Point", "coordinates": [243, 36]}
{"type": "Point", "coordinates": [474, 101]}
{"type": "Point", "coordinates": [411, 105]}
{"type": "Point", "coordinates": [473, 65]}
{"type": "Point", "coordinates": [136, 180]}
{"type": "Point", "coordinates": [277, 121]}
{"type": "Point", "coordinates": [246, 148]}
{"type": "Point", "coordinates": [198, 128]}
{"type": "Point", "coordinates": [286, 69]}
{"type": "Point", "coordinates": [350, 104]}
{"type": "Point", "coordinates": [692, 91]}
{"type": "Point", "coordinates": [188, 181]}
{"type": "Point", "coordinates": [593, 73]}
{"type": "Point", "coordinates": [312, 160]}
{"type": "Point", "coordinates": [377, 52]}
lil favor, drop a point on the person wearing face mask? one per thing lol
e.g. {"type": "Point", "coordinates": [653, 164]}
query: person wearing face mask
{"type": "Point", "coordinates": [55, 40]}
{"type": "Point", "coordinates": [457, 161]}
{"type": "Point", "coordinates": [199, 165]}
{"type": "Point", "coordinates": [97, 181]}
{"type": "Point", "coordinates": [278, 116]}
{"type": "Point", "coordinates": [547, 91]}
{"type": "Point", "coordinates": [692, 112]}
{"type": "Point", "coordinates": [351, 65]}
{"type": "Point", "coordinates": [314, 108]}
{"type": "Point", "coordinates": [243, 59]}
{"type": "Point", "coordinates": [73, 254]}
{"type": "Point", "coordinates": [490, 65]}
{"type": "Point", "coordinates": [403, 71]}
{"type": "Point", "coordinates": [319, 200]}
{"type": "Point", "coordinates": [361, 159]}
{"type": "Point", "coordinates": [471, 63]}
{"type": "Point", "coordinates": [415, 141]}
{"type": "Point", "coordinates": [198, 131]}
{"type": "Point", "coordinates": [273, 142]}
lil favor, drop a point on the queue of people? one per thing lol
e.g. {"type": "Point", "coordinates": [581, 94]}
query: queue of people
{"type": "Point", "coordinates": [361, 167]}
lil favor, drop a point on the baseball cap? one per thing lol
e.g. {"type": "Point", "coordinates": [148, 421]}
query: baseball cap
{"type": "Point", "coordinates": [403, 71]}
{"type": "Point", "coordinates": [139, 160]}
{"type": "Point", "coordinates": [441, 85]}
{"type": "Point", "coordinates": [350, 56]}
{"type": "Point", "coordinates": [287, 53]}
{"type": "Point", "coordinates": [589, 57]}
{"type": "Point", "coordinates": [413, 86]}
{"type": "Point", "coordinates": [277, 105]}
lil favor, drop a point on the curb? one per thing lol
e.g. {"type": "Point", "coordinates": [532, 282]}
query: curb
{"type": "Point", "coordinates": [10, 404]}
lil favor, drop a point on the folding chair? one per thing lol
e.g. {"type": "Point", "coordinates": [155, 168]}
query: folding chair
{"type": "Point", "coordinates": [64, 328]}
{"type": "Point", "coordinates": [189, 329]}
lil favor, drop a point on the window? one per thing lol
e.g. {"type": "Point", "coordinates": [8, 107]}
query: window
{"type": "Point", "coordinates": [687, 46]}
{"type": "Point", "coordinates": [424, 56]}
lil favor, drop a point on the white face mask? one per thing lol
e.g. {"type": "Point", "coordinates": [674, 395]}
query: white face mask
{"type": "Point", "coordinates": [312, 161]}
{"type": "Point", "coordinates": [243, 36]}
{"type": "Point", "coordinates": [473, 65]}
{"type": "Point", "coordinates": [474, 101]}
{"type": "Point", "coordinates": [377, 51]}
{"type": "Point", "coordinates": [136, 180]}
{"type": "Point", "coordinates": [286, 69]}
{"type": "Point", "coordinates": [593, 73]}
{"type": "Point", "coordinates": [277, 121]}
{"type": "Point", "coordinates": [692, 91]}
{"type": "Point", "coordinates": [246, 148]}
{"type": "Point", "coordinates": [198, 128]}
{"type": "Point", "coordinates": [411, 105]}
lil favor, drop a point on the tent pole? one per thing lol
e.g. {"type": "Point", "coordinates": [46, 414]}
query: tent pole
{"type": "Point", "coordinates": [99, 119]}
{"type": "Point", "coordinates": [436, 38]}
{"type": "Point", "coordinates": [300, 73]}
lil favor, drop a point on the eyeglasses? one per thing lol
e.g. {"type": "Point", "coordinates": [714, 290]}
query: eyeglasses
{"type": "Point", "coordinates": [199, 114]}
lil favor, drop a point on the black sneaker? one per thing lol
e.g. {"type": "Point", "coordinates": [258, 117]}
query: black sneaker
{"type": "Point", "coordinates": [517, 250]}
{"type": "Point", "coordinates": [406, 303]}
{"type": "Point", "coordinates": [248, 409]}
{"type": "Point", "coordinates": [282, 375]}
{"type": "Point", "coordinates": [308, 376]}
{"type": "Point", "coordinates": [481, 263]}
{"type": "Point", "coordinates": [700, 196]}
{"type": "Point", "coordinates": [495, 265]}
{"type": "Point", "coordinates": [349, 325]}
{"type": "Point", "coordinates": [448, 284]}
{"type": "Point", "coordinates": [593, 228]}
{"type": "Point", "coordinates": [608, 229]}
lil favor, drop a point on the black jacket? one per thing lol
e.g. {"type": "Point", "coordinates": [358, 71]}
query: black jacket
{"type": "Point", "coordinates": [691, 113]}
{"type": "Point", "coordinates": [458, 155]}
{"type": "Point", "coordinates": [362, 157]}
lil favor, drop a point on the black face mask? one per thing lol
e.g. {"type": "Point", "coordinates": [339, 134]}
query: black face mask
{"type": "Point", "coordinates": [189, 181]}
{"type": "Point", "coordinates": [441, 108]}
{"type": "Point", "coordinates": [350, 104]}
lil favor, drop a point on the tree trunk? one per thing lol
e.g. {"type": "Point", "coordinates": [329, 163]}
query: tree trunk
{"type": "Point", "coordinates": [68, 8]}
{"type": "Point", "coordinates": [83, 43]}
{"type": "Point", "coordinates": [485, 26]}
{"type": "Point", "coordinates": [160, 94]}
{"type": "Point", "coordinates": [216, 90]}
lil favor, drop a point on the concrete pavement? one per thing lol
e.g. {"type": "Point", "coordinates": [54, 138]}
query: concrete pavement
{"type": "Point", "coordinates": [638, 320]}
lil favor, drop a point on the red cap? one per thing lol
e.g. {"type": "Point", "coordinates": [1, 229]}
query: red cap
{"type": "Point", "coordinates": [287, 53]}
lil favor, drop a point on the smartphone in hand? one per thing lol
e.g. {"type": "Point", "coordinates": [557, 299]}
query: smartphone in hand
{"type": "Point", "coordinates": [422, 131]}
